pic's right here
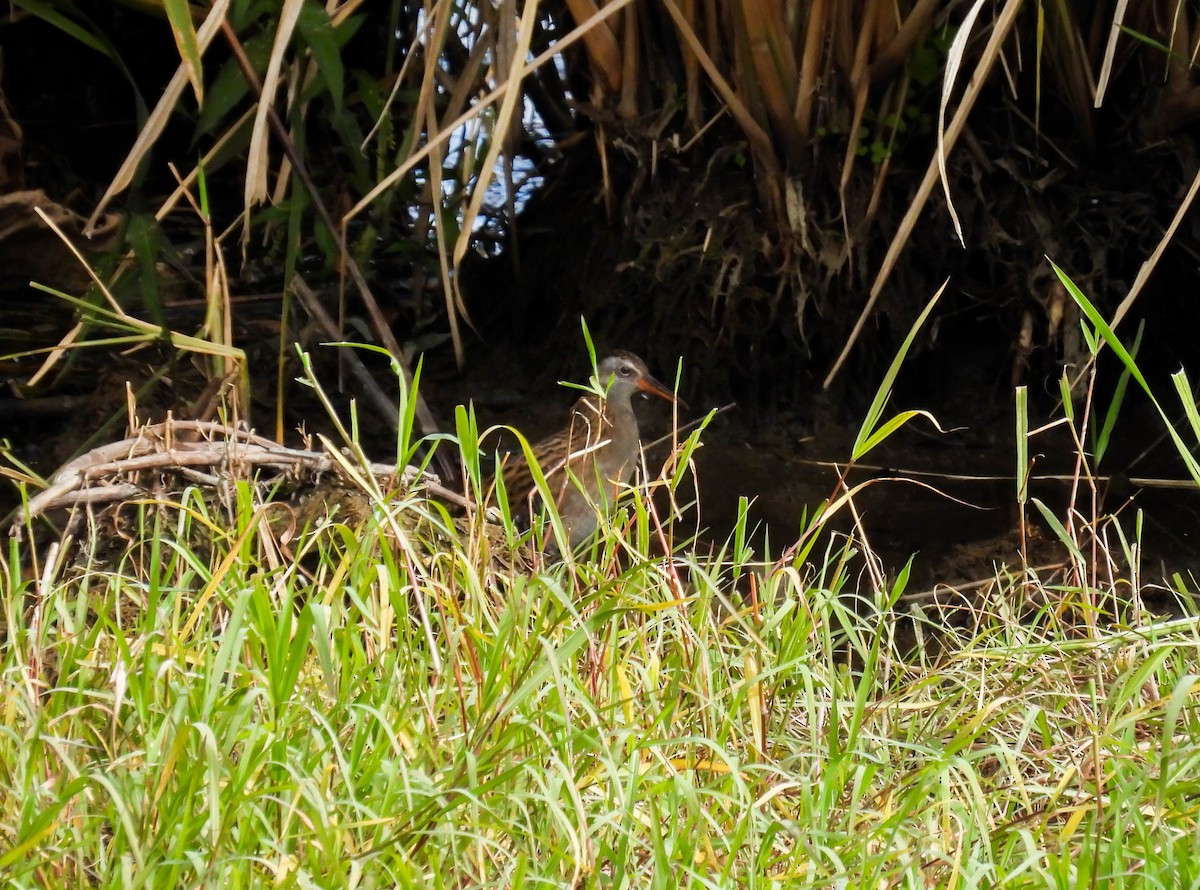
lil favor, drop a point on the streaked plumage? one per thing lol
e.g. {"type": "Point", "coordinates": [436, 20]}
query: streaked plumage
{"type": "Point", "coordinates": [587, 462]}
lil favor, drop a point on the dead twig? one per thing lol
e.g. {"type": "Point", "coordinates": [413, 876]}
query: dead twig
{"type": "Point", "coordinates": [182, 446]}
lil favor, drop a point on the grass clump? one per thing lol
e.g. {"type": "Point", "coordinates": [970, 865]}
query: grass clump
{"type": "Point", "coordinates": [361, 705]}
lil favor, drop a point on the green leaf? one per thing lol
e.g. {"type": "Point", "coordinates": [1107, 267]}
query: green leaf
{"type": "Point", "coordinates": [1060, 531]}
{"type": "Point", "coordinates": [1109, 336]}
{"type": "Point", "coordinates": [179, 14]}
{"type": "Point", "coordinates": [317, 31]}
{"type": "Point", "coordinates": [1188, 399]}
{"type": "Point", "coordinates": [1104, 435]}
{"type": "Point", "coordinates": [229, 88]}
{"type": "Point", "coordinates": [467, 430]}
{"type": "Point", "coordinates": [870, 434]}
{"type": "Point", "coordinates": [145, 237]}
{"type": "Point", "coordinates": [1021, 398]}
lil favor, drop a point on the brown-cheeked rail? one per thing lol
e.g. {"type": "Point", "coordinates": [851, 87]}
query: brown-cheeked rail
{"type": "Point", "coordinates": [587, 462]}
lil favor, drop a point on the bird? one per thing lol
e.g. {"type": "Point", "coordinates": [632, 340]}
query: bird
{"type": "Point", "coordinates": [587, 462]}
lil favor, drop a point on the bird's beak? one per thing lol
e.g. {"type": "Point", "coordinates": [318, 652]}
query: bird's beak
{"type": "Point", "coordinates": [653, 387]}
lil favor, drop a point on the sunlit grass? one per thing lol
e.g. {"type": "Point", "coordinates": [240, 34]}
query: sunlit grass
{"type": "Point", "coordinates": [211, 703]}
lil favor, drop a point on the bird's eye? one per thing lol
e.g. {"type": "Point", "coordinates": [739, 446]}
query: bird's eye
{"type": "Point", "coordinates": [626, 371]}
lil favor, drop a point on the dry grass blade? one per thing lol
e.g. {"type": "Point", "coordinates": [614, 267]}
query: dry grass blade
{"type": "Point", "coordinates": [510, 50]}
{"type": "Point", "coordinates": [775, 70]}
{"type": "Point", "coordinates": [426, 114]}
{"type": "Point", "coordinates": [442, 136]}
{"type": "Point", "coordinates": [159, 118]}
{"type": "Point", "coordinates": [691, 72]}
{"type": "Point", "coordinates": [953, 62]}
{"type": "Point", "coordinates": [117, 316]}
{"type": "Point", "coordinates": [397, 85]}
{"type": "Point", "coordinates": [1000, 31]}
{"type": "Point", "coordinates": [186, 183]}
{"type": "Point", "coordinates": [899, 48]}
{"type": "Point", "coordinates": [504, 121]}
{"type": "Point", "coordinates": [1074, 70]}
{"type": "Point", "coordinates": [600, 42]}
{"type": "Point", "coordinates": [760, 141]}
{"type": "Point", "coordinates": [631, 83]}
{"type": "Point", "coordinates": [1147, 268]}
{"type": "Point", "coordinates": [257, 159]}
{"type": "Point", "coordinates": [807, 90]}
{"type": "Point", "coordinates": [861, 84]}
{"type": "Point", "coordinates": [1110, 51]}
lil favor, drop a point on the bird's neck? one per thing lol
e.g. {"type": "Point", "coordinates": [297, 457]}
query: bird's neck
{"type": "Point", "coordinates": [612, 411]}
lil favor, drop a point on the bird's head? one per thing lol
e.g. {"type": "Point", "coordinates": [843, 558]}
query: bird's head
{"type": "Point", "coordinates": [622, 374]}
